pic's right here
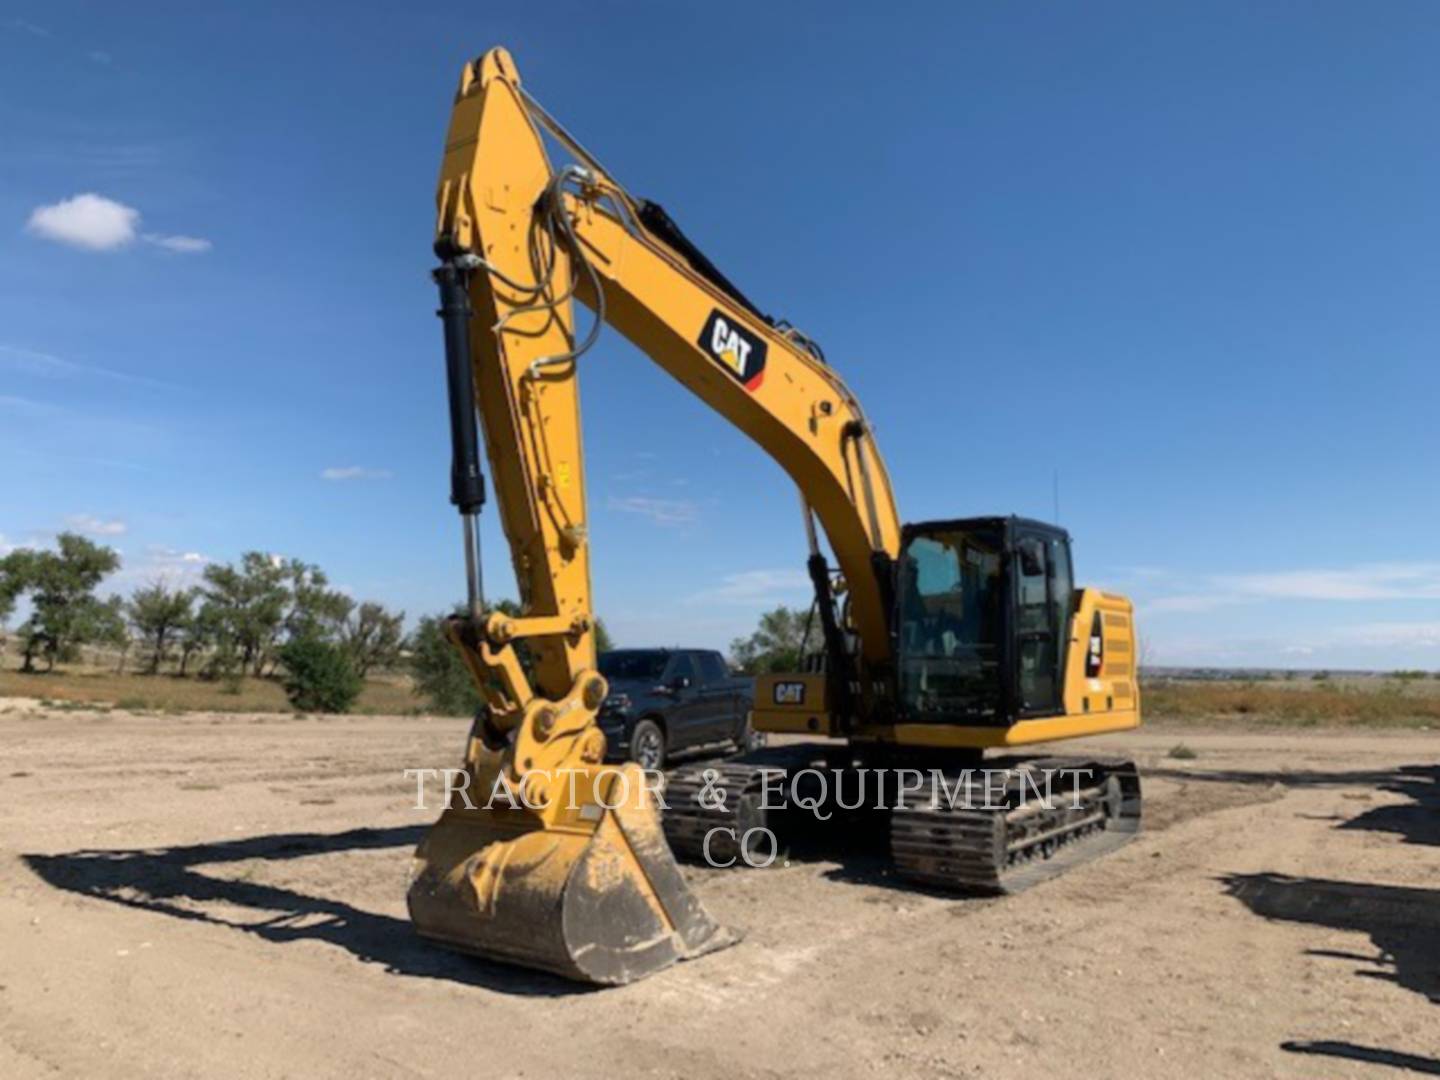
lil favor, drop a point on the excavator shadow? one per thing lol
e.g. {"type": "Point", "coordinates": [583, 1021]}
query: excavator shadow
{"type": "Point", "coordinates": [855, 851]}
{"type": "Point", "coordinates": [1348, 1051]}
{"type": "Point", "coordinates": [1417, 821]}
{"type": "Point", "coordinates": [876, 870]}
{"type": "Point", "coordinates": [1403, 922]}
{"type": "Point", "coordinates": [1300, 778]}
{"type": "Point", "coordinates": [170, 881]}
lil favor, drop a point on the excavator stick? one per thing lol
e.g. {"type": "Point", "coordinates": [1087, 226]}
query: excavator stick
{"type": "Point", "coordinates": [545, 857]}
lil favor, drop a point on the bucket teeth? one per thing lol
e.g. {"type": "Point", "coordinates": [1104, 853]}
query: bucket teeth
{"type": "Point", "coordinates": [604, 905]}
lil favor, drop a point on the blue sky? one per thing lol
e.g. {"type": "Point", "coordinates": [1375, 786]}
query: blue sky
{"type": "Point", "coordinates": [1185, 257]}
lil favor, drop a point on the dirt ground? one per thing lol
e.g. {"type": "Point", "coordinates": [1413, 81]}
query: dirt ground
{"type": "Point", "coordinates": [224, 896]}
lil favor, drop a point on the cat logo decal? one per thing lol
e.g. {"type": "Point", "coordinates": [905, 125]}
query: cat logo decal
{"type": "Point", "coordinates": [739, 352]}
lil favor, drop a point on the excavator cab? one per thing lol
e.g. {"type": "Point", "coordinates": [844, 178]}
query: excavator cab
{"type": "Point", "coordinates": [993, 645]}
{"type": "Point", "coordinates": [982, 616]}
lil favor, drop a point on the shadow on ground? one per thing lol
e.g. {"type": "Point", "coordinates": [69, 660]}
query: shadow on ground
{"type": "Point", "coordinates": [166, 881]}
{"type": "Point", "coordinates": [1417, 821]}
{"type": "Point", "coordinates": [1284, 777]}
{"type": "Point", "coordinates": [1402, 923]}
{"type": "Point", "coordinates": [1425, 1066]}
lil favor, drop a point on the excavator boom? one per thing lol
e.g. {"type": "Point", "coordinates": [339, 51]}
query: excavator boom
{"type": "Point", "coordinates": [576, 876]}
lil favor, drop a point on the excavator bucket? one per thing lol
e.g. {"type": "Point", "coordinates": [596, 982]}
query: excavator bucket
{"type": "Point", "coordinates": [598, 900]}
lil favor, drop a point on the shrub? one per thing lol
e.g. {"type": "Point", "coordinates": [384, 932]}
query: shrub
{"type": "Point", "coordinates": [1304, 706]}
{"type": "Point", "coordinates": [319, 677]}
{"type": "Point", "coordinates": [440, 675]}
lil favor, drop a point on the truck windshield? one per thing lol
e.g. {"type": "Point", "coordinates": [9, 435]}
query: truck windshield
{"type": "Point", "coordinates": [633, 664]}
{"type": "Point", "coordinates": [950, 621]}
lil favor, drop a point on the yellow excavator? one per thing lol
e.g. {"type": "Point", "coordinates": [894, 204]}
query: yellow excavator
{"type": "Point", "coordinates": [939, 647]}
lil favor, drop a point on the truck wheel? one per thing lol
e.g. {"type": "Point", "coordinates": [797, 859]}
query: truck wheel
{"type": "Point", "coordinates": [647, 745]}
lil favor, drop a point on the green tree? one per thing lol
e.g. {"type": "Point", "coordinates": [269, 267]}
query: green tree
{"type": "Point", "coordinates": [603, 641]}
{"type": "Point", "coordinates": [315, 610]}
{"type": "Point", "coordinates": [64, 612]}
{"type": "Point", "coordinates": [12, 582]}
{"type": "Point", "coordinates": [441, 677]}
{"type": "Point", "coordinates": [198, 632]}
{"type": "Point", "coordinates": [112, 628]}
{"type": "Point", "coordinates": [774, 646]}
{"type": "Point", "coordinates": [159, 613]}
{"type": "Point", "coordinates": [247, 606]}
{"type": "Point", "coordinates": [372, 635]}
{"type": "Point", "coordinates": [319, 676]}
{"type": "Point", "coordinates": [11, 585]}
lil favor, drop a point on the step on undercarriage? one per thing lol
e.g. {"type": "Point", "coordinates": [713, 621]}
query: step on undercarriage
{"type": "Point", "coordinates": [997, 826]}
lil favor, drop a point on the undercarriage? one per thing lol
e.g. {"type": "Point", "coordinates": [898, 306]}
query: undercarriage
{"type": "Point", "coordinates": [991, 825]}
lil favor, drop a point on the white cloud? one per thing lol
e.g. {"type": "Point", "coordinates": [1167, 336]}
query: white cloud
{"type": "Point", "coordinates": [89, 523]}
{"type": "Point", "coordinates": [355, 472]}
{"type": "Point", "coordinates": [26, 405]}
{"type": "Point", "coordinates": [1392, 634]}
{"type": "Point", "coordinates": [1150, 572]}
{"type": "Point", "coordinates": [45, 365]}
{"type": "Point", "coordinates": [183, 245]}
{"type": "Point", "coordinates": [1375, 581]}
{"type": "Point", "coordinates": [100, 56]}
{"type": "Point", "coordinates": [174, 567]}
{"type": "Point", "coordinates": [87, 221]}
{"type": "Point", "coordinates": [1365, 582]}
{"type": "Point", "coordinates": [753, 587]}
{"type": "Point", "coordinates": [96, 223]}
{"type": "Point", "coordinates": [31, 362]}
{"type": "Point", "coordinates": [1190, 602]}
{"type": "Point", "coordinates": [29, 28]}
{"type": "Point", "coordinates": [1373, 646]}
{"type": "Point", "coordinates": [660, 511]}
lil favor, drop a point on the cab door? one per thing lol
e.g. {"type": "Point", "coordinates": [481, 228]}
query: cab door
{"type": "Point", "coordinates": [1041, 575]}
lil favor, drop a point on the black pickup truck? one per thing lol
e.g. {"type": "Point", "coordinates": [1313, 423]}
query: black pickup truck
{"type": "Point", "coordinates": [667, 700]}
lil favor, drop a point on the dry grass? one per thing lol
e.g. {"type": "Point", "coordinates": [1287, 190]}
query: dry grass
{"type": "Point", "coordinates": [1358, 703]}
{"type": "Point", "coordinates": [1343, 701]}
{"type": "Point", "coordinates": [166, 693]}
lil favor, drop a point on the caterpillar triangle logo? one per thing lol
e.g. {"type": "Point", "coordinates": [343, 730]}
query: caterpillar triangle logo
{"type": "Point", "coordinates": [740, 352]}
